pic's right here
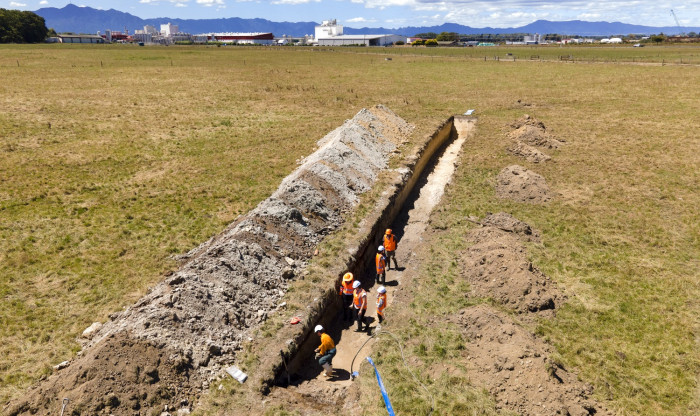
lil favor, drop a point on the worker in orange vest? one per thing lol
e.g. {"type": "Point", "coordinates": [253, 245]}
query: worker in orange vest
{"type": "Point", "coordinates": [381, 303]}
{"type": "Point", "coordinates": [380, 262]}
{"type": "Point", "coordinates": [359, 305]}
{"type": "Point", "coordinates": [326, 351]}
{"type": "Point", "coordinates": [346, 291]}
{"type": "Point", "coordinates": [390, 247]}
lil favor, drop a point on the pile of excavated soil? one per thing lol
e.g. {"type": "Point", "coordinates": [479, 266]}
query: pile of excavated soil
{"type": "Point", "coordinates": [528, 152]}
{"type": "Point", "coordinates": [529, 132]}
{"type": "Point", "coordinates": [510, 362]}
{"type": "Point", "coordinates": [533, 132]}
{"type": "Point", "coordinates": [497, 266]}
{"type": "Point", "coordinates": [517, 369]}
{"type": "Point", "coordinates": [522, 185]}
{"type": "Point", "coordinates": [509, 223]}
{"type": "Point", "coordinates": [166, 348]}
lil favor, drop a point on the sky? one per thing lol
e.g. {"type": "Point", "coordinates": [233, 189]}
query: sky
{"type": "Point", "coordinates": [400, 13]}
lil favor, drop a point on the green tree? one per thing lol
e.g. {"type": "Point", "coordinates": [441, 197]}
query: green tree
{"type": "Point", "coordinates": [426, 35]}
{"type": "Point", "coordinates": [431, 42]}
{"type": "Point", "coordinates": [658, 38]}
{"type": "Point", "coordinates": [21, 27]}
{"type": "Point", "coordinates": [447, 37]}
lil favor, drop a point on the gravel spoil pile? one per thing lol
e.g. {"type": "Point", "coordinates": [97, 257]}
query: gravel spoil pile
{"type": "Point", "coordinates": [198, 318]}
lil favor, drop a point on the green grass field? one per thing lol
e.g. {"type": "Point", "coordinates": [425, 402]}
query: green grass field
{"type": "Point", "coordinates": [115, 158]}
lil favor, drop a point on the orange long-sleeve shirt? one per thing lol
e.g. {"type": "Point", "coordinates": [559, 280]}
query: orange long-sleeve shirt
{"type": "Point", "coordinates": [327, 344]}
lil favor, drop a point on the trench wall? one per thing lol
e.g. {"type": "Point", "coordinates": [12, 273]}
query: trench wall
{"type": "Point", "coordinates": [358, 254]}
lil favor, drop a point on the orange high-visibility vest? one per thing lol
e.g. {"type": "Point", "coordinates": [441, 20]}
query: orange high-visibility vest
{"type": "Point", "coordinates": [381, 303]}
{"type": "Point", "coordinates": [389, 242]}
{"type": "Point", "coordinates": [380, 260]}
{"type": "Point", "coordinates": [346, 288]}
{"type": "Point", "coordinates": [359, 299]}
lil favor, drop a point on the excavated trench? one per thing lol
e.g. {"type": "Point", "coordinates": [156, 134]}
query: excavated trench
{"type": "Point", "coordinates": [163, 351]}
{"type": "Point", "coordinates": [406, 213]}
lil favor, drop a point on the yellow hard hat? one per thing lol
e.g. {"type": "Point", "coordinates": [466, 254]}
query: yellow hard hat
{"type": "Point", "coordinates": [388, 230]}
{"type": "Point", "coordinates": [347, 277]}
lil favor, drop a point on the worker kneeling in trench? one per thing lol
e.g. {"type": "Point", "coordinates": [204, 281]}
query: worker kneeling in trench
{"type": "Point", "coordinates": [325, 352]}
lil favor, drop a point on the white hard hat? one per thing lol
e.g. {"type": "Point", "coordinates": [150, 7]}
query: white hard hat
{"type": "Point", "coordinates": [381, 248]}
{"type": "Point", "coordinates": [356, 284]}
{"type": "Point", "coordinates": [381, 289]}
{"type": "Point", "coordinates": [318, 328]}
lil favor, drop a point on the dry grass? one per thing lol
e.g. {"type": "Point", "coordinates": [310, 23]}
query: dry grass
{"type": "Point", "coordinates": [116, 158]}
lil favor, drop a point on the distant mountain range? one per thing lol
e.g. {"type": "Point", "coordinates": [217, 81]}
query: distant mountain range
{"type": "Point", "coordinates": [76, 19]}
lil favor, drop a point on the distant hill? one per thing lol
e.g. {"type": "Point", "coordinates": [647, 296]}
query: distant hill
{"type": "Point", "coordinates": [76, 19]}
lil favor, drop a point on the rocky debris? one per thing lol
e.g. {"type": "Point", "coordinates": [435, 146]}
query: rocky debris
{"type": "Point", "coordinates": [532, 132]}
{"type": "Point", "coordinates": [497, 266]}
{"type": "Point", "coordinates": [522, 185]}
{"type": "Point", "coordinates": [518, 369]}
{"type": "Point", "coordinates": [90, 331]}
{"type": "Point", "coordinates": [192, 325]}
{"type": "Point", "coordinates": [528, 152]}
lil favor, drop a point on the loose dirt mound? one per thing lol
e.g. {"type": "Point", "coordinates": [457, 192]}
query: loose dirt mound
{"type": "Point", "coordinates": [497, 267]}
{"type": "Point", "coordinates": [507, 222]}
{"type": "Point", "coordinates": [522, 185]}
{"type": "Point", "coordinates": [528, 152]}
{"type": "Point", "coordinates": [123, 375]}
{"type": "Point", "coordinates": [530, 131]}
{"type": "Point", "coordinates": [195, 322]}
{"type": "Point", "coordinates": [512, 363]}
{"type": "Point", "coordinates": [517, 368]}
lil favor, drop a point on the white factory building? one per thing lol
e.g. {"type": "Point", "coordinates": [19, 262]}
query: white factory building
{"type": "Point", "coordinates": [330, 33]}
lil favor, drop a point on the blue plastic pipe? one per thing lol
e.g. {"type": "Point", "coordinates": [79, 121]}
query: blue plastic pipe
{"type": "Point", "coordinates": [387, 402]}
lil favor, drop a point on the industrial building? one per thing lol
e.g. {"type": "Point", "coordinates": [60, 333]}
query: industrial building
{"type": "Point", "coordinates": [257, 38]}
{"type": "Point", "coordinates": [62, 38]}
{"type": "Point", "coordinates": [330, 33]}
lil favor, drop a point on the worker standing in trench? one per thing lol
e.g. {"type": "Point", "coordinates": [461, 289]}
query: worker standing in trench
{"type": "Point", "coordinates": [346, 291]}
{"type": "Point", "coordinates": [390, 247]}
{"type": "Point", "coordinates": [359, 304]}
{"type": "Point", "coordinates": [380, 262]}
{"type": "Point", "coordinates": [381, 303]}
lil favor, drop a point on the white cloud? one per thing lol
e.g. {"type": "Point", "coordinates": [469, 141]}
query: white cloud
{"type": "Point", "coordinates": [360, 20]}
{"type": "Point", "coordinates": [209, 3]}
{"type": "Point", "coordinates": [178, 3]}
{"type": "Point", "coordinates": [15, 4]}
{"type": "Point", "coordinates": [294, 2]}
{"type": "Point", "coordinates": [43, 2]}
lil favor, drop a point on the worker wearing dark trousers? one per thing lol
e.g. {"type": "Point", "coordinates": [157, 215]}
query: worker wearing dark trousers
{"type": "Point", "coordinates": [380, 262]}
{"type": "Point", "coordinates": [390, 247]}
{"type": "Point", "coordinates": [346, 291]}
{"type": "Point", "coordinates": [325, 352]}
{"type": "Point", "coordinates": [359, 305]}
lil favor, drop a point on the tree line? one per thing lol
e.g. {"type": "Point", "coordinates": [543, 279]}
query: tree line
{"type": "Point", "coordinates": [18, 26]}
